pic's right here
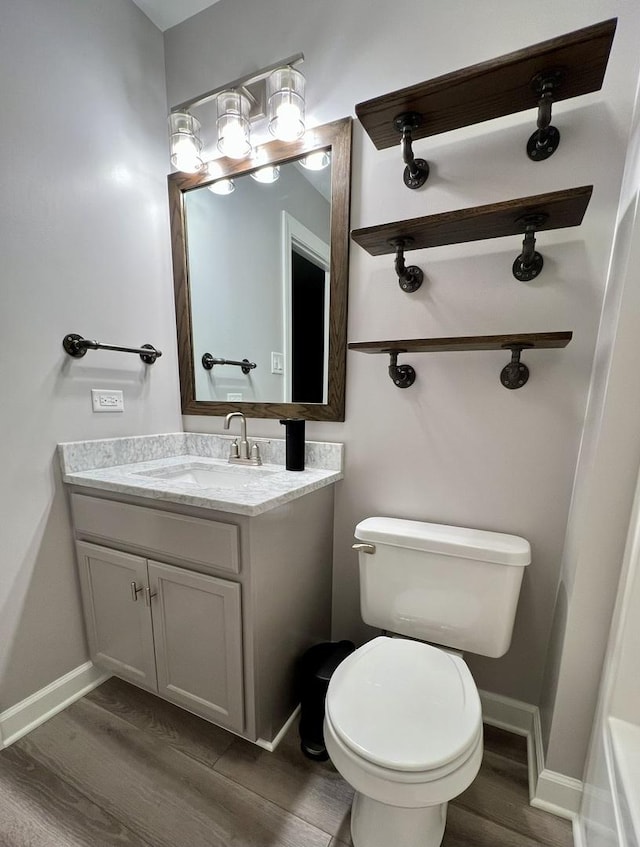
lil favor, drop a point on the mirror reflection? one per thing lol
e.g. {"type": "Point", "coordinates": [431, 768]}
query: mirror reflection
{"type": "Point", "coordinates": [260, 271]}
{"type": "Point", "coordinates": [259, 276]}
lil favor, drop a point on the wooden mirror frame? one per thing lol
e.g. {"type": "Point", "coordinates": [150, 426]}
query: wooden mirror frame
{"type": "Point", "coordinates": [337, 136]}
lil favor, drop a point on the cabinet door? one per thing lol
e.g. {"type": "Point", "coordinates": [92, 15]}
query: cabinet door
{"type": "Point", "coordinates": [198, 638]}
{"type": "Point", "coordinates": [117, 619]}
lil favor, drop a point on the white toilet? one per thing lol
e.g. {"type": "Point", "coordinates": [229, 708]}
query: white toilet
{"type": "Point", "coordinates": [403, 721]}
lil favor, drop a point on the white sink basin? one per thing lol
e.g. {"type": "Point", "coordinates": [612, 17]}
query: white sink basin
{"type": "Point", "coordinates": [203, 475]}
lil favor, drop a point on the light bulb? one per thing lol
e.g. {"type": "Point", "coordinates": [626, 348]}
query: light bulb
{"type": "Point", "coordinates": [222, 186]}
{"type": "Point", "coordinates": [233, 142]}
{"type": "Point", "coordinates": [316, 161]}
{"type": "Point", "coordinates": [287, 125]}
{"type": "Point", "coordinates": [267, 174]}
{"type": "Point", "coordinates": [185, 155]}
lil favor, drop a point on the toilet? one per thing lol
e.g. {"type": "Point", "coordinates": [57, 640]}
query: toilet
{"type": "Point", "coordinates": [403, 720]}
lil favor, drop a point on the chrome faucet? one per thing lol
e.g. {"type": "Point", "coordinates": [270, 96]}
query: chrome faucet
{"type": "Point", "coordinates": [243, 453]}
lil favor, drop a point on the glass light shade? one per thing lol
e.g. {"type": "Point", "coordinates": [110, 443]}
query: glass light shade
{"type": "Point", "coordinates": [185, 143]}
{"type": "Point", "coordinates": [222, 186]}
{"type": "Point", "coordinates": [316, 161]}
{"type": "Point", "coordinates": [285, 104]}
{"type": "Point", "coordinates": [267, 174]}
{"type": "Point", "coordinates": [234, 134]}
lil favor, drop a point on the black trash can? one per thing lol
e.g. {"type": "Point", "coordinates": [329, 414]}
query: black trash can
{"type": "Point", "coordinates": [314, 671]}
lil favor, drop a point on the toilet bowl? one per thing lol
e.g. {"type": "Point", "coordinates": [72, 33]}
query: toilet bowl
{"type": "Point", "coordinates": [403, 725]}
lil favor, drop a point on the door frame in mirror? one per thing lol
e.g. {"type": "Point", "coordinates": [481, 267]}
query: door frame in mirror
{"type": "Point", "coordinates": [337, 137]}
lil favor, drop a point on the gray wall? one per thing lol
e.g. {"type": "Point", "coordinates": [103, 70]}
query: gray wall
{"type": "Point", "coordinates": [456, 447]}
{"type": "Point", "coordinates": [604, 486]}
{"type": "Point", "coordinates": [84, 246]}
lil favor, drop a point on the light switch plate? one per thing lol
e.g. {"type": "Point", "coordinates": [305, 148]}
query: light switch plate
{"type": "Point", "coordinates": [277, 363]}
{"type": "Point", "coordinates": [234, 397]}
{"type": "Point", "coordinates": [107, 400]}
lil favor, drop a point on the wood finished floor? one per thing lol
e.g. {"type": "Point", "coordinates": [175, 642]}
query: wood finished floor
{"type": "Point", "coordinates": [121, 767]}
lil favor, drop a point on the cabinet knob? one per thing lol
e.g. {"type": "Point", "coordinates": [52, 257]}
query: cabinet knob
{"type": "Point", "coordinates": [135, 591]}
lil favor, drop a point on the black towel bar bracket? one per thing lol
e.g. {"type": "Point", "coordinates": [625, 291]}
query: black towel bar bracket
{"type": "Point", "coordinates": [208, 361]}
{"type": "Point", "coordinates": [75, 345]}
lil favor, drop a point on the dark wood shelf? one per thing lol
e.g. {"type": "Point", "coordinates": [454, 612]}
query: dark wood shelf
{"type": "Point", "coordinates": [514, 375]}
{"type": "Point", "coordinates": [491, 89]}
{"type": "Point", "coordinates": [527, 340]}
{"type": "Point", "coordinates": [564, 209]}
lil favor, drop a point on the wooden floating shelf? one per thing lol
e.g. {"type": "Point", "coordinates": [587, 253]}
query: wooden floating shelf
{"type": "Point", "coordinates": [513, 375]}
{"type": "Point", "coordinates": [563, 208]}
{"type": "Point", "coordinates": [491, 89]}
{"type": "Point", "coordinates": [531, 340]}
{"type": "Point", "coordinates": [528, 215]}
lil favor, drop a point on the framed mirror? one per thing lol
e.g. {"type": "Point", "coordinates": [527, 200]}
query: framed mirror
{"type": "Point", "coordinates": [261, 274]}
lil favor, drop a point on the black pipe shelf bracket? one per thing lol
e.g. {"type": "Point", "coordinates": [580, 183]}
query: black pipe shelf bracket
{"type": "Point", "coordinates": [410, 278]}
{"type": "Point", "coordinates": [209, 361]}
{"type": "Point", "coordinates": [542, 74]}
{"type": "Point", "coordinates": [416, 171]}
{"type": "Point", "coordinates": [545, 140]}
{"type": "Point", "coordinates": [514, 375]}
{"type": "Point", "coordinates": [529, 263]}
{"type": "Point", "coordinates": [76, 346]}
{"type": "Point", "coordinates": [402, 376]}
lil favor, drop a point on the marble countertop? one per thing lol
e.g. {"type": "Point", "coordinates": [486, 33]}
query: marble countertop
{"type": "Point", "coordinates": [120, 464]}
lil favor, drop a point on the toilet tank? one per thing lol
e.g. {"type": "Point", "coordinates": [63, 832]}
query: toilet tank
{"type": "Point", "coordinates": [444, 584]}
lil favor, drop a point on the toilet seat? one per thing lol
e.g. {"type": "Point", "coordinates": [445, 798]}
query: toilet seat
{"type": "Point", "coordinates": [405, 708]}
{"type": "Point", "coordinates": [403, 789]}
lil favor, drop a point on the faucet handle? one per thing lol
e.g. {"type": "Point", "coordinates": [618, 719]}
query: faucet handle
{"type": "Point", "coordinates": [255, 454]}
{"type": "Point", "coordinates": [234, 450]}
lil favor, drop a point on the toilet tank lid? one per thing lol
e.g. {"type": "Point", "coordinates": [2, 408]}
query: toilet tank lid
{"type": "Point", "coordinates": [459, 541]}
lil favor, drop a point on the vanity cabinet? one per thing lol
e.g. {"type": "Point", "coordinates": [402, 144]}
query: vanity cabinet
{"type": "Point", "coordinates": [169, 630]}
{"type": "Point", "coordinates": [210, 610]}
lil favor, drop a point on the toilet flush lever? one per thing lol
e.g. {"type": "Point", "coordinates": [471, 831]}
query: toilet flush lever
{"type": "Point", "coordinates": [365, 548]}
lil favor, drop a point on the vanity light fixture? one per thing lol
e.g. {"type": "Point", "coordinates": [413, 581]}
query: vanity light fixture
{"type": "Point", "coordinates": [285, 91]}
{"type": "Point", "coordinates": [185, 142]}
{"type": "Point", "coordinates": [275, 93]}
{"type": "Point", "coordinates": [317, 161]}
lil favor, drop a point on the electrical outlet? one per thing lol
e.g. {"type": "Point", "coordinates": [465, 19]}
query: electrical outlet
{"type": "Point", "coordinates": [234, 398]}
{"type": "Point", "coordinates": [277, 363]}
{"type": "Point", "coordinates": [106, 400]}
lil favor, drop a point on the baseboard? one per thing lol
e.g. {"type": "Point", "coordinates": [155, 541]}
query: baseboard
{"type": "Point", "coordinates": [20, 719]}
{"type": "Point", "coordinates": [271, 745]}
{"type": "Point", "coordinates": [558, 794]}
{"type": "Point", "coordinates": [594, 832]}
{"type": "Point", "coordinates": [506, 713]}
{"type": "Point", "coordinates": [578, 833]}
{"type": "Point", "coordinates": [555, 793]}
